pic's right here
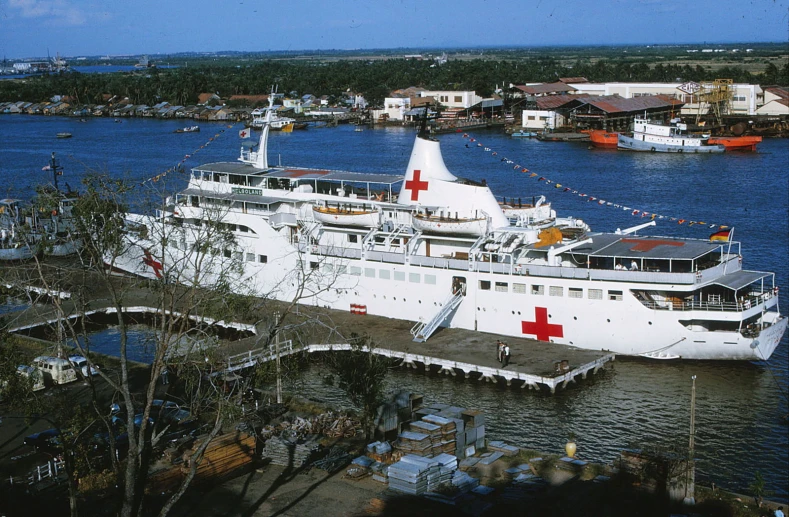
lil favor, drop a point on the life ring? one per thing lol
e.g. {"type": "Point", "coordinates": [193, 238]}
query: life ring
{"type": "Point", "coordinates": [679, 150]}
{"type": "Point", "coordinates": [652, 150]}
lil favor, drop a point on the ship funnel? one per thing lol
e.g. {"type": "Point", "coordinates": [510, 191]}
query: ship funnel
{"type": "Point", "coordinates": [429, 183]}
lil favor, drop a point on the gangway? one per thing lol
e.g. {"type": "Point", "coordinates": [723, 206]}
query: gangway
{"type": "Point", "coordinates": [423, 330]}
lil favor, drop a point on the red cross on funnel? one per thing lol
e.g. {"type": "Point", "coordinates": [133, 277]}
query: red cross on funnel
{"type": "Point", "coordinates": [540, 328]}
{"type": "Point", "coordinates": [155, 264]}
{"type": "Point", "coordinates": [415, 185]}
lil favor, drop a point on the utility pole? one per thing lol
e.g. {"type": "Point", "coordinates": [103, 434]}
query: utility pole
{"type": "Point", "coordinates": [276, 351]}
{"type": "Point", "coordinates": [690, 478]}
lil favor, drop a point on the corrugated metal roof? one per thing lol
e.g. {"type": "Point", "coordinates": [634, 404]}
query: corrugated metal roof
{"type": "Point", "coordinates": [537, 89]}
{"type": "Point", "coordinates": [551, 102]}
{"type": "Point", "coordinates": [616, 104]}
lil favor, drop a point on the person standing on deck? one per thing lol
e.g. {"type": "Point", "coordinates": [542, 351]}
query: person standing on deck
{"type": "Point", "coordinates": [499, 350]}
{"type": "Point", "coordinates": [506, 354]}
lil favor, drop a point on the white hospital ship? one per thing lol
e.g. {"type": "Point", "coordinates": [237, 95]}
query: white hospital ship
{"type": "Point", "coordinates": [439, 250]}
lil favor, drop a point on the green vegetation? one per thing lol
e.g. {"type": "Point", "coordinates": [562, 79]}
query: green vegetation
{"type": "Point", "coordinates": [375, 74]}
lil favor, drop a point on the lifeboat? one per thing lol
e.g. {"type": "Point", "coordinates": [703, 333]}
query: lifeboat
{"type": "Point", "coordinates": [448, 225]}
{"type": "Point", "coordinates": [346, 216]}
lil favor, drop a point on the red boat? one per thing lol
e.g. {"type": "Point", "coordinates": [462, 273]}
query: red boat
{"type": "Point", "coordinates": [737, 143]}
{"type": "Point", "coordinates": [602, 138]}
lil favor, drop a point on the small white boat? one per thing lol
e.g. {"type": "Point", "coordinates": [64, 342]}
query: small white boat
{"type": "Point", "coordinates": [189, 129]}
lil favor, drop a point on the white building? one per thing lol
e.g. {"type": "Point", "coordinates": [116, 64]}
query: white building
{"type": "Point", "coordinates": [395, 107]}
{"type": "Point", "coordinates": [776, 101]}
{"type": "Point", "coordinates": [453, 99]}
{"type": "Point", "coordinates": [541, 119]}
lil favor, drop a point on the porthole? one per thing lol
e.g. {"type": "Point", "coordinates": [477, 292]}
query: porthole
{"type": "Point", "coordinates": [575, 318]}
{"type": "Point", "coordinates": [650, 323]}
{"type": "Point", "coordinates": [519, 313]}
{"type": "Point", "coordinates": [609, 321]}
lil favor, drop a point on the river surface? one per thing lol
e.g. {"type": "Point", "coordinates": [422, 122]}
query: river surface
{"type": "Point", "coordinates": [741, 408]}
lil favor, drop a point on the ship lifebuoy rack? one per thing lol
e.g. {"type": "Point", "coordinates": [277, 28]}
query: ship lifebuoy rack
{"type": "Point", "coordinates": [358, 309]}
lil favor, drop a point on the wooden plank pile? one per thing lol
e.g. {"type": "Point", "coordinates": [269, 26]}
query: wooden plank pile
{"type": "Point", "coordinates": [225, 456]}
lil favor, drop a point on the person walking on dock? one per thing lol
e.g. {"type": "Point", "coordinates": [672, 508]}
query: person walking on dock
{"type": "Point", "coordinates": [506, 354]}
{"type": "Point", "coordinates": [499, 350]}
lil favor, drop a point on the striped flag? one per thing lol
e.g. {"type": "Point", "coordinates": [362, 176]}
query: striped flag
{"type": "Point", "coordinates": [722, 235]}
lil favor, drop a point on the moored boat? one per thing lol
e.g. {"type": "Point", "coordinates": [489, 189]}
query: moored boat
{"type": "Point", "coordinates": [523, 134]}
{"type": "Point", "coordinates": [737, 143]}
{"type": "Point", "coordinates": [524, 271]}
{"type": "Point", "coordinates": [188, 129]}
{"type": "Point", "coordinates": [64, 135]}
{"type": "Point", "coordinates": [603, 139]}
{"type": "Point", "coordinates": [654, 137]}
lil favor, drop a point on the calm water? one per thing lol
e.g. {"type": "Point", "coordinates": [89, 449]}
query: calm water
{"type": "Point", "coordinates": [741, 408]}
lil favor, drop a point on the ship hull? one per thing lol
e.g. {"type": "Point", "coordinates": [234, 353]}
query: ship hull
{"type": "Point", "coordinates": [413, 292]}
{"type": "Point", "coordinates": [627, 143]}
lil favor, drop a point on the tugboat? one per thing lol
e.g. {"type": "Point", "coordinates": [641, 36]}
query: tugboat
{"type": "Point", "coordinates": [656, 137]}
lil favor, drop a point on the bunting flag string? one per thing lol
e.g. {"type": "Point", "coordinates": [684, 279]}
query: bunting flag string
{"type": "Point", "coordinates": [179, 167]}
{"type": "Point", "coordinates": [589, 198]}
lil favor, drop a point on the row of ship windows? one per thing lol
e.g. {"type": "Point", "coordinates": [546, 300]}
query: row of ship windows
{"type": "Point", "coordinates": [484, 285]}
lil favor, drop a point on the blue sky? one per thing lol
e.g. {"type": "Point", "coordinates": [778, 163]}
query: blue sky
{"type": "Point", "coordinates": [88, 27]}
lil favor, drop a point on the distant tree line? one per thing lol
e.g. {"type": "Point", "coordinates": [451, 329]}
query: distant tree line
{"type": "Point", "coordinates": [374, 79]}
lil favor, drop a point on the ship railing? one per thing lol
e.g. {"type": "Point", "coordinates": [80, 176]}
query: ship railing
{"type": "Point", "coordinates": [439, 262]}
{"type": "Point", "coordinates": [745, 304]}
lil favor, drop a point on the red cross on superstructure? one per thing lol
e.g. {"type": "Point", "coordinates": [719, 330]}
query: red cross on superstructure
{"type": "Point", "coordinates": [155, 264]}
{"type": "Point", "coordinates": [540, 328]}
{"type": "Point", "coordinates": [415, 185]}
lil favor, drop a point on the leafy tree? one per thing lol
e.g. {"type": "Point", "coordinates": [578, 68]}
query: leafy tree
{"type": "Point", "coordinates": [361, 374]}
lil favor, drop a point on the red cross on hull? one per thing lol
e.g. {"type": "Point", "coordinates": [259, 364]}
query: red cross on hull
{"type": "Point", "coordinates": [152, 262]}
{"type": "Point", "coordinates": [540, 328]}
{"type": "Point", "coordinates": [415, 185]}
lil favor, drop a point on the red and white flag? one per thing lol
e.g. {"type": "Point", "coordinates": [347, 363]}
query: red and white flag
{"type": "Point", "coordinates": [244, 133]}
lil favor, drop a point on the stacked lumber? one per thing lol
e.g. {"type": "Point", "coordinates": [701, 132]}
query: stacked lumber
{"type": "Point", "coordinates": [418, 444]}
{"type": "Point", "coordinates": [289, 452]}
{"type": "Point", "coordinates": [225, 455]}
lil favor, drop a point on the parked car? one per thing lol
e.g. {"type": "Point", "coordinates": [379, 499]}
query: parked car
{"type": "Point", "coordinates": [32, 373]}
{"type": "Point", "coordinates": [81, 365]}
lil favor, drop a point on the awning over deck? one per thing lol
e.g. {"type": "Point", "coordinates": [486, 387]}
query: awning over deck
{"type": "Point", "coordinates": [740, 279]}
